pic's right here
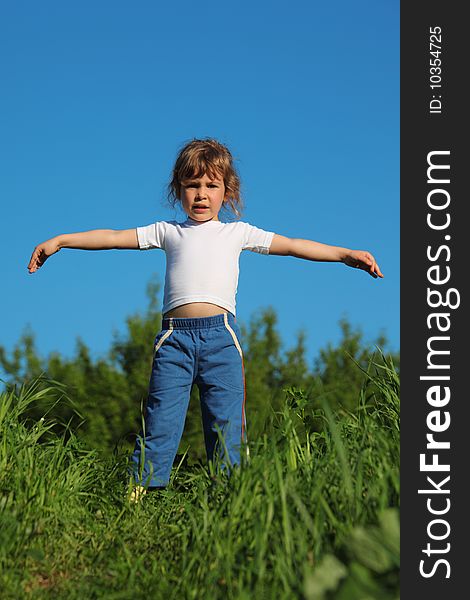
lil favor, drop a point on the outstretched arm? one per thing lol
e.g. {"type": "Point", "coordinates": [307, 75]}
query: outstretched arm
{"type": "Point", "coordinates": [284, 246]}
{"type": "Point", "coordinates": [97, 239]}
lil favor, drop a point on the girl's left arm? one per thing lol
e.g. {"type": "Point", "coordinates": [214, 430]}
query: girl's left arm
{"type": "Point", "coordinates": [310, 250]}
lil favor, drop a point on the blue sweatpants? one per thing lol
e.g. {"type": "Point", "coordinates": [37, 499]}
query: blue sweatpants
{"type": "Point", "coordinates": [204, 351]}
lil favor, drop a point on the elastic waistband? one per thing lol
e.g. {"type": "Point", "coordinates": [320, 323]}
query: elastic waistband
{"type": "Point", "coordinates": [198, 322]}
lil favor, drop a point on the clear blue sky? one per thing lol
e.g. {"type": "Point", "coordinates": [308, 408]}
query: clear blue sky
{"type": "Point", "coordinates": [97, 97]}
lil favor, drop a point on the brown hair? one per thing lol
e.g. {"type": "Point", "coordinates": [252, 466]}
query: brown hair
{"type": "Point", "coordinates": [207, 156]}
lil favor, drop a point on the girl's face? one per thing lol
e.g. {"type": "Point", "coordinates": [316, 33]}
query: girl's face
{"type": "Point", "coordinates": [202, 197]}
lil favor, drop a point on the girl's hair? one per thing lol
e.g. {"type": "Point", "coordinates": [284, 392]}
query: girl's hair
{"type": "Point", "coordinates": [207, 156]}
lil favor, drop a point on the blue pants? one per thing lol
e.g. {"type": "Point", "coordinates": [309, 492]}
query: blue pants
{"type": "Point", "coordinates": [204, 351]}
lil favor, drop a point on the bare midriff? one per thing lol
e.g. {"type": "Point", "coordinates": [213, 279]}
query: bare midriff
{"type": "Point", "coordinates": [195, 309]}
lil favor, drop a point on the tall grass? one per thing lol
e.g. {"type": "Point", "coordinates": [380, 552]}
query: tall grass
{"type": "Point", "coordinates": [313, 513]}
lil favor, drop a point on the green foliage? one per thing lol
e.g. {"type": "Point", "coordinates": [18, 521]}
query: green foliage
{"type": "Point", "coordinates": [312, 514]}
{"type": "Point", "coordinates": [335, 373]}
{"type": "Point", "coordinates": [105, 395]}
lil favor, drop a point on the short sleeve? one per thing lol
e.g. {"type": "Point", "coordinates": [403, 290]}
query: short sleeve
{"type": "Point", "coordinates": [256, 239]}
{"type": "Point", "coordinates": [152, 236]}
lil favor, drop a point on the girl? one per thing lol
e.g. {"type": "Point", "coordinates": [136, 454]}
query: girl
{"type": "Point", "coordinates": [199, 340]}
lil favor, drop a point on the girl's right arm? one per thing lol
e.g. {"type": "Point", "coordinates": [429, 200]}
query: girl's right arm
{"type": "Point", "coordinates": [98, 239]}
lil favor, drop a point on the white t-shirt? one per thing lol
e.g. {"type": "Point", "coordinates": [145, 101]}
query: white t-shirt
{"type": "Point", "coordinates": [202, 258]}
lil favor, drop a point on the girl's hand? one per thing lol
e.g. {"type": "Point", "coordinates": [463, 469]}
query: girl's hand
{"type": "Point", "coordinates": [41, 253]}
{"type": "Point", "coordinates": [363, 260]}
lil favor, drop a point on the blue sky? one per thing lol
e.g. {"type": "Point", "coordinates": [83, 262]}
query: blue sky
{"type": "Point", "coordinates": [99, 96]}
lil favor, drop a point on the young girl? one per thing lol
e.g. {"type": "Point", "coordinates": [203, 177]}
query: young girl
{"type": "Point", "coordinates": [199, 340]}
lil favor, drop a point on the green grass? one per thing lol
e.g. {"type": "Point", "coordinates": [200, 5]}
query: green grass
{"type": "Point", "coordinates": [312, 514]}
